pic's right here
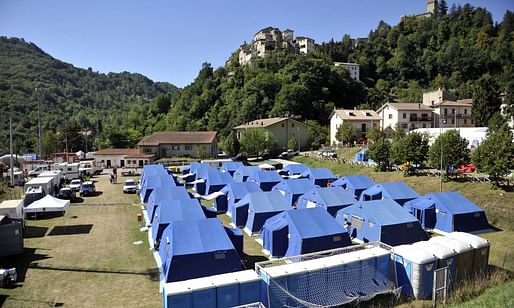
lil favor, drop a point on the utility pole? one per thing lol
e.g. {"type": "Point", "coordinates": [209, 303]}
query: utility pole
{"type": "Point", "coordinates": [65, 135]}
{"type": "Point", "coordinates": [40, 143]}
{"type": "Point", "coordinates": [11, 169]}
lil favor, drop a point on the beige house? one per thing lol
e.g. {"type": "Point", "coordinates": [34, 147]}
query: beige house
{"type": "Point", "coordinates": [180, 144]}
{"type": "Point", "coordinates": [455, 113]}
{"type": "Point", "coordinates": [119, 158]}
{"type": "Point", "coordinates": [282, 129]}
{"type": "Point", "coordinates": [409, 115]}
{"type": "Point", "coordinates": [361, 120]}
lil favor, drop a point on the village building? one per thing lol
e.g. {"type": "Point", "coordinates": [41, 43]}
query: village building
{"type": "Point", "coordinates": [122, 158]}
{"type": "Point", "coordinates": [409, 115]}
{"type": "Point", "coordinates": [353, 69]}
{"type": "Point", "coordinates": [196, 144]}
{"type": "Point", "coordinates": [361, 120]}
{"type": "Point", "coordinates": [282, 129]}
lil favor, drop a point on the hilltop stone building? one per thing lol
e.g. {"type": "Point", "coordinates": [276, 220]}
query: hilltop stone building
{"type": "Point", "coordinates": [269, 39]}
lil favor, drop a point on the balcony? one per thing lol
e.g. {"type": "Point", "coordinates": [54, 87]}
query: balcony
{"type": "Point", "coordinates": [415, 118]}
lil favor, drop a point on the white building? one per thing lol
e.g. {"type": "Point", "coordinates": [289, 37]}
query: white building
{"type": "Point", "coordinates": [454, 113]}
{"type": "Point", "coordinates": [353, 69]}
{"type": "Point", "coordinates": [305, 44]}
{"type": "Point", "coordinates": [409, 115]}
{"type": "Point", "coordinates": [361, 120]}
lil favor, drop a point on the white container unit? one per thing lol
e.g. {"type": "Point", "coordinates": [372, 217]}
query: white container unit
{"type": "Point", "coordinates": [446, 257]}
{"type": "Point", "coordinates": [480, 246]}
{"type": "Point", "coordinates": [12, 208]}
{"type": "Point", "coordinates": [46, 185]}
{"type": "Point", "coordinates": [415, 270]}
{"type": "Point", "coordinates": [249, 287]}
{"type": "Point", "coordinates": [464, 255]}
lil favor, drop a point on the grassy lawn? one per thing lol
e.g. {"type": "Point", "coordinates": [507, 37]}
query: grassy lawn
{"type": "Point", "coordinates": [500, 296]}
{"type": "Point", "coordinates": [86, 258]}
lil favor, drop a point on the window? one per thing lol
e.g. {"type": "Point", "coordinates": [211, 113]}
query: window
{"type": "Point", "coordinates": [390, 116]}
{"type": "Point", "coordinates": [465, 111]}
{"type": "Point", "coordinates": [175, 147]}
{"type": "Point", "coordinates": [445, 111]}
{"type": "Point", "coordinates": [357, 222]}
{"type": "Point", "coordinates": [292, 124]}
{"type": "Point", "coordinates": [465, 121]}
{"type": "Point", "coordinates": [404, 115]}
{"type": "Point", "coordinates": [453, 121]}
{"type": "Point", "coordinates": [189, 147]}
{"type": "Point", "coordinates": [404, 125]}
{"type": "Point", "coordinates": [424, 125]}
{"type": "Point", "coordinates": [453, 110]}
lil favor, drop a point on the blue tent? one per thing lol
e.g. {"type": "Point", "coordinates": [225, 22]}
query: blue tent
{"type": "Point", "coordinates": [332, 199]}
{"type": "Point", "coordinates": [196, 248]}
{"type": "Point", "coordinates": [242, 173]}
{"type": "Point", "coordinates": [161, 194]}
{"type": "Point", "coordinates": [295, 169]}
{"type": "Point", "coordinates": [292, 189]}
{"type": "Point", "coordinates": [193, 170]}
{"type": "Point", "coordinates": [381, 220]}
{"type": "Point", "coordinates": [265, 179]}
{"type": "Point", "coordinates": [362, 155]}
{"type": "Point", "coordinates": [261, 206]}
{"type": "Point", "coordinates": [398, 191]}
{"type": "Point", "coordinates": [292, 233]}
{"type": "Point", "coordinates": [148, 172]}
{"type": "Point", "coordinates": [233, 192]}
{"type": "Point", "coordinates": [354, 183]}
{"type": "Point", "coordinates": [155, 181]}
{"type": "Point", "coordinates": [448, 212]}
{"type": "Point", "coordinates": [231, 167]}
{"type": "Point", "coordinates": [171, 211]}
{"type": "Point", "coordinates": [320, 176]}
{"type": "Point", "coordinates": [214, 180]}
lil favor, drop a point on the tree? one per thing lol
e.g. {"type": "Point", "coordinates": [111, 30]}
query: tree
{"type": "Point", "coordinates": [317, 135]}
{"type": "Point", "coordinates": [292, 144]}
{"type": "Point", "coordinates": [495, 156]}
{"type": "Point", "coordinates": [374, 134]}
{"type": "Point", "coordinates": [231, 144]}
{"type": "Point", "coordinates": [486, 100]}
{"type": "Point", "coordinates": [496, 121]}
{"type": "Point", "coordinates": [398, 132]}
{"type": "Point", "coordinates": [346, 133]}
{"type": "Point", "coordinates": [379, 152]}
{"type": "Point", "coordinates": [449, 148]}
{"type": "Point", "coordinates": [258, 142]}
{"type": "Point", "coordinates": [51, 142]}
{"type": "Point", "coordinates": [202, 151]}
{"type": "Point", "coordinates": [412, 149]}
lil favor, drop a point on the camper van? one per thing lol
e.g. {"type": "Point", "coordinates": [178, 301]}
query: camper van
{"type": "Point", "coordinates": [46, 185]}
{"type": "Point", "coordinates": [89, 168]}
{"type": "Point", "coordinates": [69, 171]}
{"type": "Point", "coordinates": [38, 170]}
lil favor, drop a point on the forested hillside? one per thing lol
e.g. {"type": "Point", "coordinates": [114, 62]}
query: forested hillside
{"type": "Point", "coordinates": [86, 101]}
{"type": "Point", "coordinates": [459, 49]}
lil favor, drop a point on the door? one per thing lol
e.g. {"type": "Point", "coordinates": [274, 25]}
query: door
{"type": "Point", "coordinates": [122, 163]}
{"type": "Point", "coordinates": [108, 163]}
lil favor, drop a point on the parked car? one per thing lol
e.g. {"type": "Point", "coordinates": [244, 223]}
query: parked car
{"type": "Point", "coordinates": [289, 154]}
{"type": "Point", "coordinates": [130, 186]}
{"type": "Point", "coordinates": [75, 184]}
{"type": "Point", "coordinates": [87, 188]}
{"type": "Point", "coordinates": [66, 193]}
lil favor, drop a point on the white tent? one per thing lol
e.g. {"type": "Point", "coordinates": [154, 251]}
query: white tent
{"type": "Point", "coordinates": [47, 204]}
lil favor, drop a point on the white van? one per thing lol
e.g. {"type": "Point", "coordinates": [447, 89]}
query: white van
{"type": "Point", "coordinates": [39, 169]}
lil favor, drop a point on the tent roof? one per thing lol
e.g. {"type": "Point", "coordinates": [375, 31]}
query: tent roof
{"type": "Point", "coordinates": [247, 170]}
{"type": "Point", "coordinates": [197, 236]}
{"type": "Point", "coordinates": [356, 181]}
{"type": "Point", "coordinates": [177, 210]}
{"type": "Point", "coordinates": [169, 193]}
{"type": "Point", "coordinates": [267, 201]}
{"type": "Point", "coordinates": [265, 176]}
{"type": "Point", "coordinates": [241, 189]}
{"type": "Point", "coordinates": [454, 202]}
{"type": "Point", "coordinates": [314, 222]}
{"type": "Point", "coordinates": [395, 190]}
{"type": "Point", "coordinates": [231, 165]}
{"type": "Point", "coordinates": [214, 177]}
{"type": "Point", "coordinates": [384, 212]}
{"type": "Point", "coordinates": [335, 196]}
{"type": "Point", "coordinates": [295, 186]}
{"type": "Point", "coordinates": [295, 168]}
{"type": "Point", "coordinates": [47, 204]}
{"type": "Point", "coordinates": [420, 203]}
{"type": "Point", "coordinates": [318, 173]}
{"type": "Point", "coordinates": [194, 167]}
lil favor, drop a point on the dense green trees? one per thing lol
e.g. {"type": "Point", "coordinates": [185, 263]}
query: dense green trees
{"type": "Point", "coordinates": [379, 152]}
{"type": "Point", "coordinates": [412, 149]}
{"type": "Point", "coordinates": [346, 133]}
{"type": "Point", "coordinates": [258, 142]}
{"type": "Point", "coordinates": [449, 149]}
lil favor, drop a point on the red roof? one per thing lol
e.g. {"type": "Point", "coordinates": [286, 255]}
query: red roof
{"type": "Point", "coordinates": [170, 137]}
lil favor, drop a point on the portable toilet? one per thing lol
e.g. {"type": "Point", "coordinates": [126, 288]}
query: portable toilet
{"type": "Point", "coordinates": [446, 257]}
{"type": "Point", "coordinates": [464, 255]}
{"type": "Point", "coordinates": [249, 283]}
{"type": "Point", "coordinates": [480, 249]}
{"type": "Point", "coordinates": [227, 290]}
{"type": "Point", "coordinates": [293, 278]}
{"type": "Point", "coordinates": [415, 270]}
{"type": "Point", "coordinates": [177, 295]}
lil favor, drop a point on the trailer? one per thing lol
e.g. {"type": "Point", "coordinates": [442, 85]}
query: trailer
{"type": "Point", "coordinates": [56, 176]}
{"type": "Point", "coordinates": [12, 208]}
{"type": "Point", "coordinates": [46, 184]}
{"type": "Point", "coordinates": [69, 171]}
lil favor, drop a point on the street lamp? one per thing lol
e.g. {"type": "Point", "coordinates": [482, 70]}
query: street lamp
{"type": "Point", "coordinates": [442, 121]}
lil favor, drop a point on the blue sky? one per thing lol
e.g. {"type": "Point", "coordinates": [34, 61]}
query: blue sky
{"type": "Point", "coordinates": [169, 40]}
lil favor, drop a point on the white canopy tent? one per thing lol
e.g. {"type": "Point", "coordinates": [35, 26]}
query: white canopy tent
{"type": "Point", "coordinates": [47, 204]}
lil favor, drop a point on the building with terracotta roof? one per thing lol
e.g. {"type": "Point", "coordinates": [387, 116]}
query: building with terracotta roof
{"type": "Point", "coordinates": [120, 158]}
{"type": "Point", "coordinates": [455, 113]}
{"type": "Point", "coordinates": [282, 129]}
{"type": "Point", "coordinates": [409, 115]}
{"type": "Point", "coordinates": [361, 120]}
{"type": "Point", "coordinates": [180, 144]}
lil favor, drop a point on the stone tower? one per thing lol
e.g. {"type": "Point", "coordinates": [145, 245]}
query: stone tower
{"type": "Point", "coordinates": [431, 6]}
